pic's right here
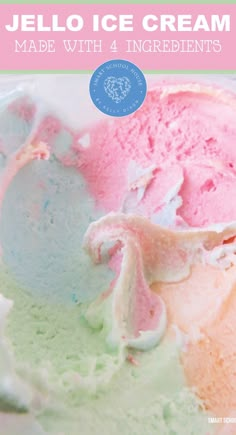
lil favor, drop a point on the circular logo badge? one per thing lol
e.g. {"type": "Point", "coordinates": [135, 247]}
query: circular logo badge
{"type": "Point", "coordinates": [118, 87]}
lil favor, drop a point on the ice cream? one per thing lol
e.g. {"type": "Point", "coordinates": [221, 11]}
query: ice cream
{"type": "Point", "coordinates": [120, 262]}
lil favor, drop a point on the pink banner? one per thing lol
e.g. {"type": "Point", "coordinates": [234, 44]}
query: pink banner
{"type": "Point", "coordinates": [81, 37]}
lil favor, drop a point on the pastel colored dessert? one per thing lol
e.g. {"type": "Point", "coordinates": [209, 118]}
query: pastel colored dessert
{"type": "Point", "coordinates": [118, 267]}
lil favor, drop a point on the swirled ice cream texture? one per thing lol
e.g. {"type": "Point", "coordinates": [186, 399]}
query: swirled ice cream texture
{"type": "Point", "coordinates": [152, 254]}
{"type": "Point", "coordinates": [184, 162]}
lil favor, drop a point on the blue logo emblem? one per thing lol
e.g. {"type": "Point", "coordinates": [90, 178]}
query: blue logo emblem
{"type": "Point", "coordinates": [118, 87]}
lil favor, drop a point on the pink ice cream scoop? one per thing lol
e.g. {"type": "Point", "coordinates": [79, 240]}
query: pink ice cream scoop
{"type": "Point", "coordinates": [183, 136]}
